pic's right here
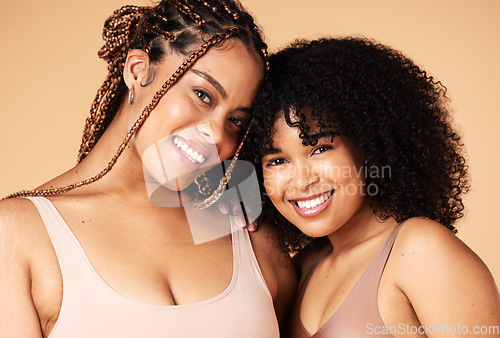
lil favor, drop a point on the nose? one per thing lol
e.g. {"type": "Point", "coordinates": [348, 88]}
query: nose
{"type": "Point", "coordinates": [304, 178]}
{"type": "Point", "coordinates": [212, 132]}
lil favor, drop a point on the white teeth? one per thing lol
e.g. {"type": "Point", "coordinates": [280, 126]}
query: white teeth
{"type": "Point", "coordinates": [309, 204]}
{"type": "Point", "coordinates": [191, 154]}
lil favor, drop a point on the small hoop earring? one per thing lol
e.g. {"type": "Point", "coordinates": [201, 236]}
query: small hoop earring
{"type": "Point", "coordinates": [131, 95]}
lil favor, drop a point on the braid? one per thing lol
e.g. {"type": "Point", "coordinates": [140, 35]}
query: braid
{"type": "Point", "coordinates": [188, 10]}
{"type": "Point", "coordinates": [228, 10]}
{"type": "Point", "coordinates": [136, 27]}
{"type": "Point", "coordinates": [132, 27]}
{"type": "Point", "coordinates": [116, 34]}
{"type": "Point", "coordinates": [140, 121]}
{"type": "Point", "coordinates": [224, 180]}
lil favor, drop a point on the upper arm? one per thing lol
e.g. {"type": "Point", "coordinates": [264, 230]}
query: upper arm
{"type": "Point", "coordinates": [278, 270]}
{"type": "Point", "coordinates": [18, 316]}
{"type": "Point", "coordinates": [445, 281]}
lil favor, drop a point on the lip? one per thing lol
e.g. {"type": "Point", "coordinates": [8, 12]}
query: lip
{"type": "Point", "coordinates": [312, 211]}
{"type": "Point", "coordinates": [183, 157]}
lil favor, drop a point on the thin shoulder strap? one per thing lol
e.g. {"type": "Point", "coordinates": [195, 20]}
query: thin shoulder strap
{"type": "Point", "coordinates": [69, 252]}
{"type": "Point", "coordinates": [244, 255]}
{"type": "Point", "coordinates": [367, 285]}
{"type": "Point", "coordinates": [377, 266]}
{"type": "Point", "coordinates": [361, 304]}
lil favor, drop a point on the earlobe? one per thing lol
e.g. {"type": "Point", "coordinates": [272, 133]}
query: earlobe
{"type": "Point", "coordinates": [136, 68]}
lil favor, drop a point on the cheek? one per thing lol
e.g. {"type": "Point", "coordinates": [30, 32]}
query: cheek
{"type": "Point", "coordinates": [352, 180]}
{"type": "Point", "coordinates": [275, 183]}
{"type": "Point", "coordinates": [164, 120]}
{"type": "Point", "coordinates": [229, 145]}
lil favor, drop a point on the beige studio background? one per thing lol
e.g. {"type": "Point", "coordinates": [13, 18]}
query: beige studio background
{"type": "Point", "coordinates": [50, 73]}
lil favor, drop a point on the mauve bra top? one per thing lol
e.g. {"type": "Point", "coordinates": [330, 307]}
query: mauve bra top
{"type": "Point", "coordinates": [358, 315]}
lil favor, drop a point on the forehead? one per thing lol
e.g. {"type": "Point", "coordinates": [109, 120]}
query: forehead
{"type": "Point", "coordinates": [232, 63]}
{"type": "Point", "coordinates": [282, 138]}
{"type": "Point", "coordinates": [281, 131]}
{"type": "Point", "coordinates": [314, 122]}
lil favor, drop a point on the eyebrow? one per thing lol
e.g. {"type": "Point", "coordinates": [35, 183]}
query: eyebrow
{"type": "Point", "coordinates": [247, 110]}
{"type": "Point", "coordinates": [325, 135]}
{"type": "Point", "coordinates": [212, 81]}
{"type": "Point", "coordinates": [271, 151]}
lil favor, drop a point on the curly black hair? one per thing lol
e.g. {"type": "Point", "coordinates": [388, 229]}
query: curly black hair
{"type": "Point", "coordinates": [393, 112]}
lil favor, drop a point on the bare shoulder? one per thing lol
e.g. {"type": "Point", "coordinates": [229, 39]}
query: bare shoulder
{"type": "Point", "coordinates": [20, 238]}
{"type": "Point", "coordinates": [19, 225]}
{"type": "Point", "coordinates": [442, 277]}
{"type": "Point", "coordinates": [422, 239]}
{"type": "Point", "coordinates": [22, 233]}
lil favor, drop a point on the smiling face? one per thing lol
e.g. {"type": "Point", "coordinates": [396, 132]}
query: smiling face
{"type": "Point", "coordinates": [198, 122]}
{"type": "Point", "coordinates": [317, 188]}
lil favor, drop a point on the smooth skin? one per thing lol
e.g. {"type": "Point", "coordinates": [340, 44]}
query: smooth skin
{"type": "Point", "coordinates": [126, 237]}
{"type": "Point", "coordinates": [431, 276]}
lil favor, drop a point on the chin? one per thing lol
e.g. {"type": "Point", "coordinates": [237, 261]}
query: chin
{"type": "Point", "coordinates": [311, 229]}
{"type": "Point", "coordinates": [315, 233]}
{"type": "Point", "coordinates": [180, 183]}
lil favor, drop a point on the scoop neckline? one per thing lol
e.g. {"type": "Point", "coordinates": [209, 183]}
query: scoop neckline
{"type": "Point", "coordinates": [97, 277]}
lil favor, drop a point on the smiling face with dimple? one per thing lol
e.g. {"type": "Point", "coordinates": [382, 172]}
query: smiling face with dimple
{"type": "Point", "coordinates": [317, 188]}
{"type": "Point", "coordinates": [198, 122]}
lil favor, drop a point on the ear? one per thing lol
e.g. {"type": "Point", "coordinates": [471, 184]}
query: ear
{"type": "Point", "coordinates": [136, 68]}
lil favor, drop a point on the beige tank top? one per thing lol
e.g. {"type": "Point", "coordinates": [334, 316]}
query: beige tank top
{"type": "Point", "coordinates": [91, 308]}
{"type": "Point", "coordinates": [358, 315]}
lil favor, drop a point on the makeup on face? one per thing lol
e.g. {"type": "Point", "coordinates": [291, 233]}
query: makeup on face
{"type": "Point", "coordinates": [317, 188]}
{"type": "Point", "coordinates": [312, 206]}
{"type": "Point", "coordinates": [199, 120]}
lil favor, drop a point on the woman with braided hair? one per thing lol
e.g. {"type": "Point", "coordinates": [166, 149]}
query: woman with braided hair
{"type": "Point", "coordinates": [95, 252]}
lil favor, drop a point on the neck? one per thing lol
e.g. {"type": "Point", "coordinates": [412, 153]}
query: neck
{"type": "Point", "coordinates": [361, 227]}
{"type": "Point", "coordinates": [126, 178]}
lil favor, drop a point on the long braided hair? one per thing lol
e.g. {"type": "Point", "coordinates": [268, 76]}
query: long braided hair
{"type": "Point", "coordinates": [182, 23]}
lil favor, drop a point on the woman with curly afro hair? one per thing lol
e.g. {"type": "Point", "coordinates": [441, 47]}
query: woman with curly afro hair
{"type": "Point", "coordinates": [364, 177]}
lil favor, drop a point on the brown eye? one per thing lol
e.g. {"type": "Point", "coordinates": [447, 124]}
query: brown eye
{"type": "Point", "coordinates": [238, 122]}
{"type": "Point", "coordinates": [205, 97]}
{"type": "Point", "coordinates": [275, 162]}
{"type": "Point", "coordinates": [321, 149]}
